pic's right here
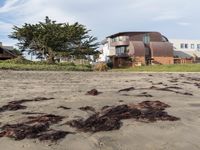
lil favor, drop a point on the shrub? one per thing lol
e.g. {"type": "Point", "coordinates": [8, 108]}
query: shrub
{"type": "Point", "coordinates": [101, 67]}
{"type": "Point", "coordinates": [18, 60]}
{"type": "Point", "coordinates": [110, 64]}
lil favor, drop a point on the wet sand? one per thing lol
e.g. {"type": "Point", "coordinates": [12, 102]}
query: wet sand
{"type": "Point", "coordinates": [68, 89]}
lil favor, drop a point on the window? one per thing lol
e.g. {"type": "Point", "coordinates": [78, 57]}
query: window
{"type": "Point", "coordinates": [120, 38]}
{"type": "Point", "coordinates": [182, 45]}
{"type": "Point", "coordinates": [114, 39]}
{"type": "Point", "coordinates": [1, 50]}
{"type": "Point", "coordinates": [192, 46]}
{"type": "Point", "coordinates": [198, 46]}
{"type": "Point", "coordinates": [186, 46]}
{"type": "Point", "coordinates": [121, 50]}
{"type": "Point", "coordinates": [146, 39]}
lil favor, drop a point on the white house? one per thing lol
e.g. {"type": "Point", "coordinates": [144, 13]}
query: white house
{"type": "Point", "coordinates": [184, 48]}
{"type": "Point", "coordinates": [106, 50]}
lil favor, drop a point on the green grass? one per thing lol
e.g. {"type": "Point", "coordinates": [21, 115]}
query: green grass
{"type": "Point", "coordinates": [164, 68]}
{"type": "Point", "coordinates": [42, 66]}
{"type": "Point", "coordinates": [22, 64]}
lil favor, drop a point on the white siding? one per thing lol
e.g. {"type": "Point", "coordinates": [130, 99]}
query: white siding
{"type": "Point", "coordinates": [186, 48]}
{"type": "Point", "coordinates": [107, 50]}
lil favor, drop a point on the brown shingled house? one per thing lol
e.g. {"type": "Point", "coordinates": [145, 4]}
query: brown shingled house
{"type": "Point", "coordinates": [6, 54]}
{"type": "Point", "coordinates": [139, 48]}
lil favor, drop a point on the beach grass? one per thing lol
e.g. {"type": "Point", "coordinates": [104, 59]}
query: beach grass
{"type": "Point", "coordinates": [43, 66]}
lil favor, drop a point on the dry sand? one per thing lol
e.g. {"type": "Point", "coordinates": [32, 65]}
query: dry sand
{"type": "Point", "coordinates": [69, 88]}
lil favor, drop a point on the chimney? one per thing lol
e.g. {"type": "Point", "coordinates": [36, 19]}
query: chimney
{"type": "Point", "coordinates": [1, 44]}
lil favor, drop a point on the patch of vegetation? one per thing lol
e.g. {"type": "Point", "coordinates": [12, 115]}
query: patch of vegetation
{"type": "Point", "coordinates": [18, 60]}
{"type": "Point", "coordinates": [101, 67]}
{"type": "Point", "coordinates": [23, 64]}
{"type": "Point", "coordinates": [163, 68]}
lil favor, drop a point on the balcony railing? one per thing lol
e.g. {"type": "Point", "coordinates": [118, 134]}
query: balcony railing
{"type": "Point", "coordinates": [122, 54]}
{"type": "Point", "coordinates": [120, 41]}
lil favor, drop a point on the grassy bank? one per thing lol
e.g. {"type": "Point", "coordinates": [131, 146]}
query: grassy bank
{"type": "Point", "coordinates": [164, 68]}
{"type": "Point", "coordinates": [42, 66]}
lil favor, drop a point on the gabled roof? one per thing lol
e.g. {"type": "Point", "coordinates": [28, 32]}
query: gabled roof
{"type": "Point", "coordinates": [8, 51]}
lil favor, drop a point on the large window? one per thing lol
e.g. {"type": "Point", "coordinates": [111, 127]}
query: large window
{"type": "Point", "coordinates": [121, 50]}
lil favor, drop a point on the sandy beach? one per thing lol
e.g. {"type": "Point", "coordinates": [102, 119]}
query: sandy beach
{"type": "Point", "coordinates": [69, 90]}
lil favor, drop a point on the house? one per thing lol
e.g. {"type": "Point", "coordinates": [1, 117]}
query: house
{"type": "Point", "coordinates": [6, 52]}
{"type": "Point", "coordinates": [186, 48]}
{"type": "Point", "coordinates": [106, 50]}
{"type": "Point", "coordinates": [137, 48]}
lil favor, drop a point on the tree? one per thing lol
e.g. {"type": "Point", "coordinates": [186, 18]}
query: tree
{"type": "Point", "coordinates": [50, 39]}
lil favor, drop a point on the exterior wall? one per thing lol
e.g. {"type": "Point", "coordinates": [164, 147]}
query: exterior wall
{"type": "Point", "coordinates": [139, 60]}
{"type": "Point", "coordinates": [107, 50]}
{"type": "Point", "coordinates": [162, 53]}
{"type": "Point", "coordinates": [105, 53]}
{"type": "Point", "coordinates": [161, 49]}
{"type": "Point", "coordinates": [111, 48]}
{"type": "Point", "coordinates": [120, 61]}
{"type": "Point", "coordinates": [186, 52]}
{"type": "Point", "coordinates": [123, 62]}
{"type": "Point", "coordinates": [183, 60]}
{"type": "Point", "coordinates": [136, 49]}
{"type": "Point", "coordinates": [163, 60]}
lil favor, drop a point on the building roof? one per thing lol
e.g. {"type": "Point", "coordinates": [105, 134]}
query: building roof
{"type": "Point", "coordinates": [8, 51]}
{"type": "Point", "coordinates": [131, 32]}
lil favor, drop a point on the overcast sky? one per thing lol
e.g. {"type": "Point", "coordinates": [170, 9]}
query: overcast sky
{"type": "Point", "coordinates": [173, 18]}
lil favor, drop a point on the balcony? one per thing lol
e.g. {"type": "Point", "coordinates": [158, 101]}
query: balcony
{"type": "Point", "coordinates": [121, 51]}
{"type": "Point", "coordinates": [122, 55]}
{"type": "Point", "coordinates": [120, 41]}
